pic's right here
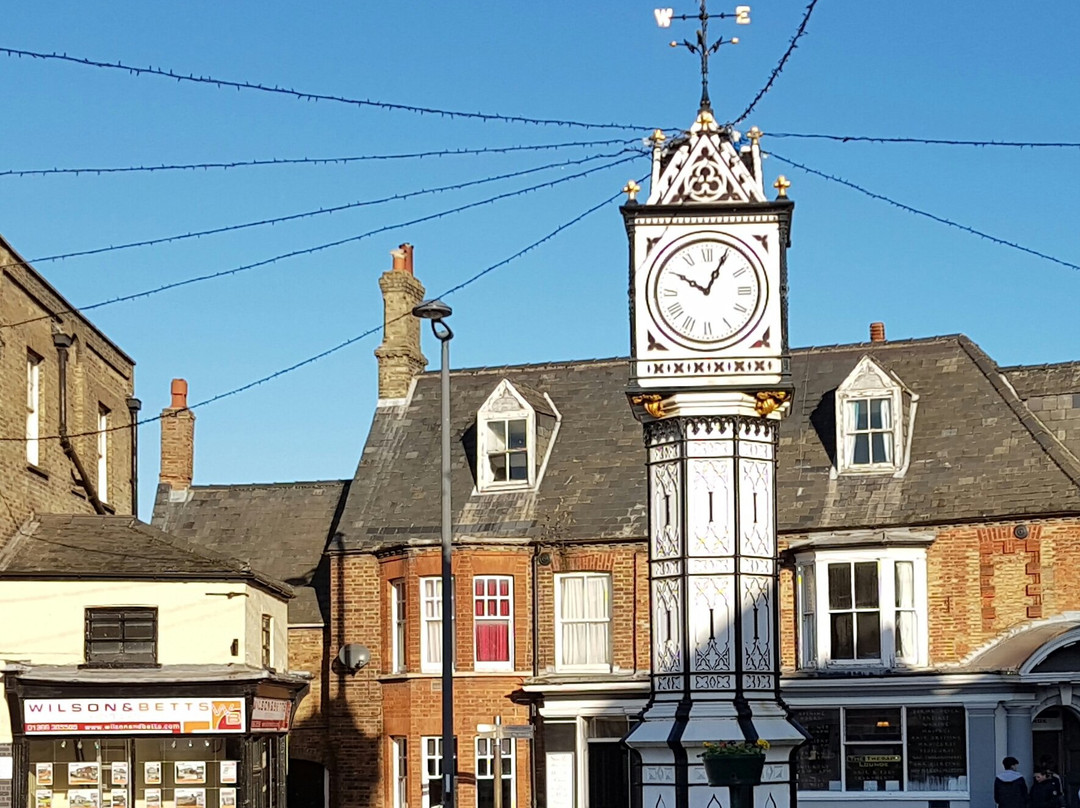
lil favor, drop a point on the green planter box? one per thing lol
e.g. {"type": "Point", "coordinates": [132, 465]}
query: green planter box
{"type": "Point", "coordinates": [734, 770]}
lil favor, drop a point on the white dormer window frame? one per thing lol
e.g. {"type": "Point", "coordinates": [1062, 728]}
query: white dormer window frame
{"type": "Point", "coordinates": [836, 603]}
{"type": "Point", "coordinates": [870, 424]}
{"type": "Point", "coordinates": [506, 442]}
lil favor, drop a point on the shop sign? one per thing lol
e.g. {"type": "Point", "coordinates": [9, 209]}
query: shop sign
{"type": "Point", "coordinates": [270, 715]}
{"type": "Point", "coordinates": [127, 716]}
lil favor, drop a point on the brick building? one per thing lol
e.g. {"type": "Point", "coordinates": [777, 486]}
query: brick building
{"type": "Point", "coordinates": [929, 511]}
{"type": "Point", "coordinates": [43, 342]}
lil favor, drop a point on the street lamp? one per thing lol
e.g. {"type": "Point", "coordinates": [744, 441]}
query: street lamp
{"type": "Point", "coordinates": [436, 311]}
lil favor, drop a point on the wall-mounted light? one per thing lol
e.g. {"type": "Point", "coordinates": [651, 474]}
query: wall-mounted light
{"type": "Point", "coordinates": [353, 657]}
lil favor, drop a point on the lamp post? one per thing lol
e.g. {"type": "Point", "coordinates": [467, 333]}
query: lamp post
{"type": "Point", "coordinates": [436, 311]}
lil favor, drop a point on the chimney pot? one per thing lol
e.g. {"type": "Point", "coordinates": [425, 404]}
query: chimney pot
{"type": "Point", "coordinates": [179, 394]}
{"type": "Point", "coordinates": [877, 332]}
{"type": "Point", "coordinates": [399, 354]}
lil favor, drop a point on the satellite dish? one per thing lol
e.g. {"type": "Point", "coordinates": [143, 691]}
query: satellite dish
{"type": "Point", "coordinates": [353, 657]}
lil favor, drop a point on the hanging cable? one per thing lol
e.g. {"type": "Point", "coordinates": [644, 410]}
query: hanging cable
{"type": "Point", "coordinates": [305, 96]}
{"type": "Point", "coordinates": [318, 248]}
{"type": "Point", "coordinates": [780, 65]}
{"type": "Point", "coordinates": [307, 214]}
{"type": "Point", "coordinates": [931, 216]}
{"type": "Point", "coordinates": [1015, 144]}
{"type": "Point", "coordinates": [352, 340]}
{"type": "Point", "coordinates": [284, 161]}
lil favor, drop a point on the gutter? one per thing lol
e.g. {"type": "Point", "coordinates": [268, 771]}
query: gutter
{"type": "Point", "coordinates": [62, 342]}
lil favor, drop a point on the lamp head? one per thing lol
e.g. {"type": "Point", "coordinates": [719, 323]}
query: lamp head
{"type": "Point", "coordinates": [432, 310]}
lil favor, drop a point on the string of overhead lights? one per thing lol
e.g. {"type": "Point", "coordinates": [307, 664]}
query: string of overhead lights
{"type": "Point", "coordinates": [320, 211]}
{"type": "Point", "coordinates": [284, 161]}
{"type": "Point", "coordinates": [306, 96]}
{"type": "Point", "coordinates": [933, 217]}
{"type": "Point", "coordinates": [780, 65]}
{"type": "Point", "coordinates": [928, 141]}
{"type": "Point", "coordinates": [352, 340]}
{"type": "Point", "coordinates": [310, 250]}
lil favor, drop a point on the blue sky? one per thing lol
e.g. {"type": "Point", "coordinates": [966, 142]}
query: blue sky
{"type": "Point", "coordinates": [961, 70]}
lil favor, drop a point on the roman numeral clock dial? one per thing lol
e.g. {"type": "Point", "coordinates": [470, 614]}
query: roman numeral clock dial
{"type": "Point", "coordinates": [706, 293]}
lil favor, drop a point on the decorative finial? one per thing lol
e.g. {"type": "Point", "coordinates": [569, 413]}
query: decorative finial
{"type": "Point", "coordinates": [658, 137]}
{"type": "Point", "coordinates": [781, 185]}
{"type": "Point", "coordinates": [701, 47]}
{"type": "Point", "coordinates": [754, 134]}
{"type": "Point", "coordinates": [631, 190]}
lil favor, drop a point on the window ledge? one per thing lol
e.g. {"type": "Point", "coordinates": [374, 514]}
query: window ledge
{"type": "Point", "coordinates": [875, 468]}
{"type": "Point", "coordinates": [38, 470]}
{"type": "Point", "coordinates": [505, 488]}
{"type": "Point", "coordinates": [909, 796]}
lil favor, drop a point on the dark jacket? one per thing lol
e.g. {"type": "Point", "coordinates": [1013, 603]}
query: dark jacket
{"type": "Point", "coordinates": [1010, 790]}
{"type": "Point", "coordinates": [1047, 794]}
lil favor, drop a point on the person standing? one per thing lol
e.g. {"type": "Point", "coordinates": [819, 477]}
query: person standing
{"type": "Point", "coordinates": [1046, 790]}
{"type": "Point", "coordinates": [1010, 787]}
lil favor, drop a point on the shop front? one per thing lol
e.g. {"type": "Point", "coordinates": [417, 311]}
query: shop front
{"type": "Point", "coordinates": [179, 746]}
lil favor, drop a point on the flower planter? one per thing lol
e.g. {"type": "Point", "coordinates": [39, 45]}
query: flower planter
{"type": "Point", "coordinates": [734, 770]}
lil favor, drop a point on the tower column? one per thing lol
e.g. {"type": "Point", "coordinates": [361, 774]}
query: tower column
{"type": "Point", "coordinates": [715, 619]}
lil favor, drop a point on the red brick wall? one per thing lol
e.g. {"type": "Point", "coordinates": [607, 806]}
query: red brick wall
{"type": "Point", "coordinates": [307, 652]}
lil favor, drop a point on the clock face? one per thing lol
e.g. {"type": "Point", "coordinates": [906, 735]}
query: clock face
{"type": "Point", "coordinates": [706, 293]}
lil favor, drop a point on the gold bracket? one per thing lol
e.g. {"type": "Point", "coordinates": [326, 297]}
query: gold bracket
{"type": "Point", "coordinates": [653, 404]}
{"type": "Point", "coordinates": [768, 402]}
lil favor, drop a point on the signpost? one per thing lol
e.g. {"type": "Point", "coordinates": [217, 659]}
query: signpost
{"type": "Point", "coordinates": [497, 732]}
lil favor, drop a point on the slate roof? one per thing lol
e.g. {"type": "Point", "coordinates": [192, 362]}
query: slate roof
{"type": "Point", "coordinates": [977, 452]}
{"type": "Point", "coordinates": [281, 528]}
{"type": "Point", "coordinates": [1033, 381]}
{"type": "Point", "coordinates": [57, 546]}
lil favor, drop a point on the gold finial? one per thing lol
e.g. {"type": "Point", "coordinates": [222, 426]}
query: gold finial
{"type": "Point", "coordinates": [781, 185]}
{"type": "Point", "coordinates": [754, 134]}
{"type": "Point", "coordinates": [768, 402]}
{"type": "Point", "coordinates": [658, 137]}
{"type": "Point", "coordinates": [653, 404]}
{"type": "Point", "coordinates": [631, 190]}
{"type": "Point", "coordinates": [705, 118]}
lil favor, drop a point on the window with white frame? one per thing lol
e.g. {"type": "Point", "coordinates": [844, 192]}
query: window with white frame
{"type": "Point", "coordinates": [399, 760]}
{"type": "Point", "coordinates": [486, 768]}
{"type": "Point", "coordinates": [103, 453]}
{"type": "Point", "coordinates": [33, 408]}
{"type": "Point", "coordinates": [431, 771]}
{"type": "Point", "coordinates": [397, 638]}
{"type": "Point", "coordinates": [884, 748]}
{"type": "Point", "coordinates": [862, 608]}
{"type": "Point", "coordinates": [506, 438]}
{"type": "Point", "coordinates": [583, 621]}
{"type": "Point", "coordinates": [493, 621]}
{"type": "Point", "coordinates": [431, 625]}
{"type": "Point", "coordinates": [869, 421]}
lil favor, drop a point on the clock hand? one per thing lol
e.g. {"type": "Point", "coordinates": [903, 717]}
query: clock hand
{"type": "Point", "coordinates": [690, 282]}
{"type": "Point", "coordinates": [716, 272]}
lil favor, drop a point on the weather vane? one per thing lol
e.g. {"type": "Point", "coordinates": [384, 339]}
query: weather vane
{"type": "Point", "coordinates": [702, 48]}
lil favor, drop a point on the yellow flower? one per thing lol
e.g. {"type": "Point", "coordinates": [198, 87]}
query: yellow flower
{"type": "Point", "coordinates": [763, 743]}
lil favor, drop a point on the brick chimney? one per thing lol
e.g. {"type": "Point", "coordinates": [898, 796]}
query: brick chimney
{"type": "Point", "coordinates": [877, 332]}
{"type": "Point", "coordinates": [399, 355]}
{"type": "Point", "coordinates": [177, 440]}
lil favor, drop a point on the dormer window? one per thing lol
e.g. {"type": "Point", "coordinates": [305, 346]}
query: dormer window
{"type": "Point", "coordinates": [515, 429]}
{"type": "Point", "coordinates": [508, 450]}
{"type": "Point", "coordinates": [871, 405]}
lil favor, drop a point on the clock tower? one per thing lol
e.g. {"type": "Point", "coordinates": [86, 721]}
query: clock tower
{"type": "Point", "coordinates": [709, 381]}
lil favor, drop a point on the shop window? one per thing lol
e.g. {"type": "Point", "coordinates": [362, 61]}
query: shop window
{"type": "Point", "coordinates": [583, 621]}
{"type": "Point", "coordinates": [493, 621]}
{"type": "Point", "coordinates": [399, 758]}
{"type": "Point", "coordinates": [121, 637]}
{"type": "Point", "coordinates": [862, 608]}
{"type": "Point", "coordinates": [486, 767]}
{"type": "Point", "coordinates": [884, 749]}
{"type": "Point", "coordinates": [397, 638]}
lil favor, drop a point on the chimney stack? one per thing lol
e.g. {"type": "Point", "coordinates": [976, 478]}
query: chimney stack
{"type": "Point", "coordinates": [177, 440]}
{"type": "Point", "coordinates": [399, 355]}
{"type": "Point", "coordinates": [877, 332]}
